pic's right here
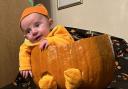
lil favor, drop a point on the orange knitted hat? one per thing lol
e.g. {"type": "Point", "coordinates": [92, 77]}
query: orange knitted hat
{"type": "Point", "coordinates": [39, 8]}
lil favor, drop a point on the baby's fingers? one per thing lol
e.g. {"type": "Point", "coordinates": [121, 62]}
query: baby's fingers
{"type": "Point", "coordinates": [43, 46]}
{"type": "Point", "coordinates": [30, 72]}
{"type": "Point", "coordinates": [25, 74]}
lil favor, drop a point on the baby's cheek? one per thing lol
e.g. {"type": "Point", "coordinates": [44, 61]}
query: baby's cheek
{"type": "Point", "coordinates": [46, 33]}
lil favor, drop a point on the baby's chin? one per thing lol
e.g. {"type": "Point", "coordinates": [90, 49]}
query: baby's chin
{"type": "Point", "coordinates": [36, 41]}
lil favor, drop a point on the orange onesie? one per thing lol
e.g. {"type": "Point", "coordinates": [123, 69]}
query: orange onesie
{"type": "Point", "coordinates": [58, 36]}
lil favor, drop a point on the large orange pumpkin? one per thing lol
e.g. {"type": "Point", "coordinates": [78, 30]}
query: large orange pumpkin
{"type": "Point", "coordinates": [93, 56]}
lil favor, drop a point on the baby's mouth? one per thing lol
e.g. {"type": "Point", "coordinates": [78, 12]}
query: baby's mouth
{"type": "Point", "coordinates": [38, 38]}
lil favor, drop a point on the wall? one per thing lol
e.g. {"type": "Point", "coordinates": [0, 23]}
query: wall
{"type": "Point", "coordinates": [108, 16]}
{"type": "Point", "coordinates": [10, 39]}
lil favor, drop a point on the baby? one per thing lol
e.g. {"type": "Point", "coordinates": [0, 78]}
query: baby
{"type": "Point", "coordinates": [36, 26]}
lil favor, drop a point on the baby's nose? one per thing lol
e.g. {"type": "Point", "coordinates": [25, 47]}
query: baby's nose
{"type": "Point", "coordinates": [34, 32]}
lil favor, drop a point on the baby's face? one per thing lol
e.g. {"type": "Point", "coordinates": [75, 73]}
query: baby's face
{"type": "Point", "coordinates": [35, 26]}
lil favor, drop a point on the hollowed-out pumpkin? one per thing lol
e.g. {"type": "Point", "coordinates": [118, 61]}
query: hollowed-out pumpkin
{"type": "Point", "coordinates": [92, 56]}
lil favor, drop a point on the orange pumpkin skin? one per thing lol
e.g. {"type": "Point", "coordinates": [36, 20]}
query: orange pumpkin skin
{"type": "Point", "coordinates": [92, 56]}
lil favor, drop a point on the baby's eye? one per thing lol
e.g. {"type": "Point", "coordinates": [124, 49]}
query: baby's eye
{"type": "Point", "coordinates": [27, 31]}
{"type": "Point", "coordinates": [37, 24]}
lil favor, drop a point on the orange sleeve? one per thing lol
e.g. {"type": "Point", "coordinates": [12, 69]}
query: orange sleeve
{"type": "Point", "coordinates": [59, 36]}
{"type": "Point", "coordinates": [24, 57]}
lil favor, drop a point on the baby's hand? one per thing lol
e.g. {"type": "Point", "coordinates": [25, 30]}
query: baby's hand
{"type": "Point", "coordinates": [25, 73]}
{"type": "Point", "coordinates": [43, 44]}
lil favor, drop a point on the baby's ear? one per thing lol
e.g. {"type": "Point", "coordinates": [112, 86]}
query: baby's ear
{"type": "Point", "coordinates": [50, 21]}
{"type": "Point", "coordinates": [25, 36]}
